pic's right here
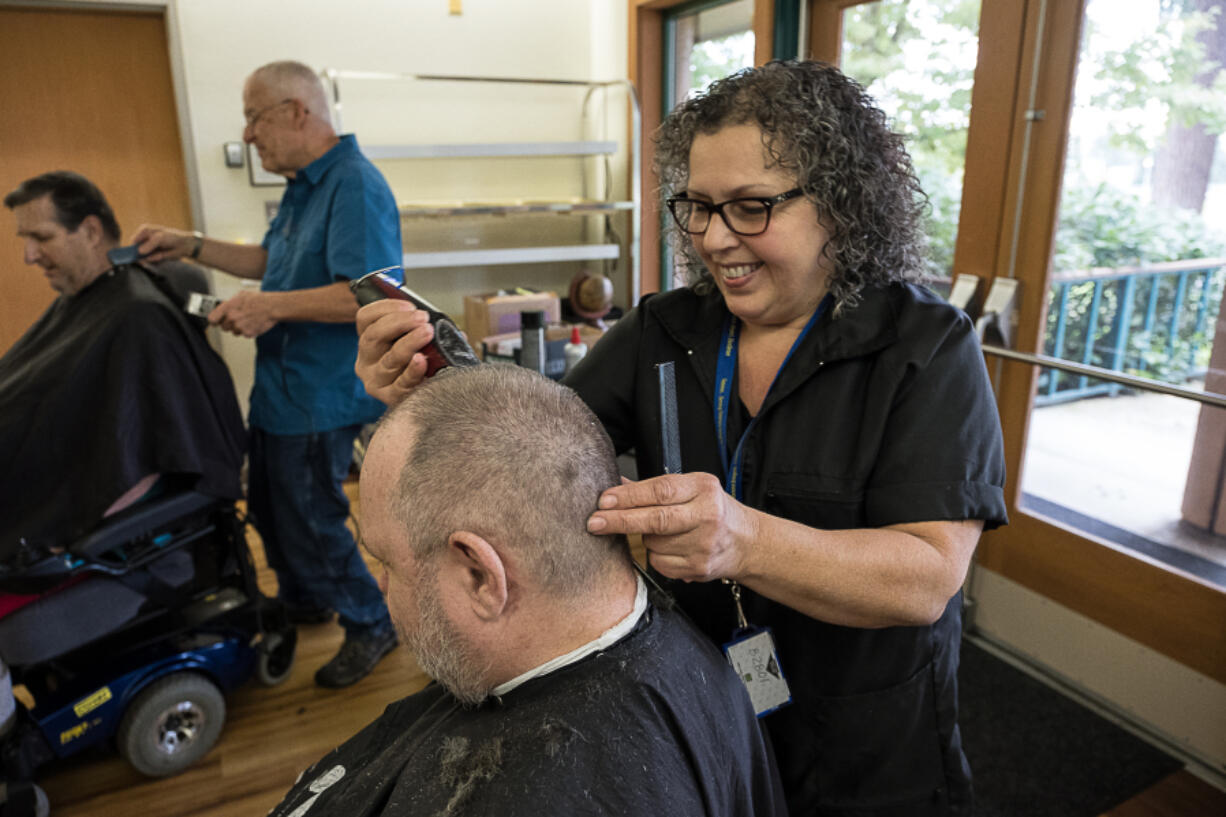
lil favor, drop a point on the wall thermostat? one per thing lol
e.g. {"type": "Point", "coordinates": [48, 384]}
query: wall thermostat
{"type": "Point", "coordinates": [234, 154]}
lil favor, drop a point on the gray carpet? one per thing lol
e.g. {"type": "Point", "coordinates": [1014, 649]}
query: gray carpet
{"type": "Point", "coordinates": [1037, 753]}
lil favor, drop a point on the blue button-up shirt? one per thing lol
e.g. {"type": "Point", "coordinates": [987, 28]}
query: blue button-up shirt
{"type": "Point", "coordinates": [337, 221]}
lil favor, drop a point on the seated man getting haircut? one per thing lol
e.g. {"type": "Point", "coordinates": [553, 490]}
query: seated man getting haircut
{"type": "Point", "coordinates": [563, 685]}
{"type": "Point", "coordinates": [111, 389]}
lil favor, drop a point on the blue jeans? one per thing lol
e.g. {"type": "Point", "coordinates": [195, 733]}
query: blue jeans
{"type": "Point", "coordinates": [296, 503]}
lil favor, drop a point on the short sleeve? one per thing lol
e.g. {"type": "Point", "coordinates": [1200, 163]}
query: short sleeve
{"type": "Point", "coordinates": [363, 226]}
{"type": "Point", "coordinates": [942, 456]}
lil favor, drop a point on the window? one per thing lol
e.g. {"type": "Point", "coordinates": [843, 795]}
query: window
{"type": "Point", "coordinates": [708, 42]}
{"type": "Point", "coordinates": [917, 59]}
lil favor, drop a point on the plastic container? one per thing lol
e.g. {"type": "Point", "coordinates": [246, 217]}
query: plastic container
{"type": "Point", "coordinates": [532, 340]}
{"type": "Point", "coordinates": [574, 351]}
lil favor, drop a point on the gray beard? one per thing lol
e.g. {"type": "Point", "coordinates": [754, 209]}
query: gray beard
{"type": "Point", "coordinates": [443, 652]}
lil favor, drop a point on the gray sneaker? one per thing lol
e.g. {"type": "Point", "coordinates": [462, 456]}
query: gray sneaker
{"type": "Point", "coordinates": [355, 659]}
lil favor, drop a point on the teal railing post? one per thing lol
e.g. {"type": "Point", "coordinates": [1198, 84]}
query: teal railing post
{"type": "Point", "coordinates": [1181, 290]}
{"type": "Point", "coordinates": [1151, 308]}
{"type": "Point", "coordinates": [1202, 313]}
{"type": "Point", "coordinates": [1123, 328]}
{"type": "Point", "coordinates": [1053, 376]}
{"type": "Point", "coordinates": [1087, 357]}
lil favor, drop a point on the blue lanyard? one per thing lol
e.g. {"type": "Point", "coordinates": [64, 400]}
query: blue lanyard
{"type": "Point", "coordinates": [724, 370]}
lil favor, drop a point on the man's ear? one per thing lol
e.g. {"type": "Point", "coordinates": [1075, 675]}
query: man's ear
{"type": "Point", "coordinates": [92, 225]}
{"type": "Point", "coordinates": [476, 568]}
{"type": "Point", "coordinates": [301, 113]}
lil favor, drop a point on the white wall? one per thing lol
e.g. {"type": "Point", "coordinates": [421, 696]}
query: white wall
{"type": "Point", "coordinates": [221, 41]}
{"type": "Point", "coordinates": [215, 44]}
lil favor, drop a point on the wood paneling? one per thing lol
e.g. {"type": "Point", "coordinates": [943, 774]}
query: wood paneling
{"type": "Point", "coordinates": [825, 31]}
{"type": "Point", "coordinates": [1179, 795]}
{"type": "Point", "coordinates": [763, 31]}
{"type": "Point", "coordinates": [989, 138]}
{"type": "Point", "coordinates": [1172, 613]}
{"type": "Point", "coordinates": [646, 72]}
{"type": "Point", "coordinates": [91, 92]}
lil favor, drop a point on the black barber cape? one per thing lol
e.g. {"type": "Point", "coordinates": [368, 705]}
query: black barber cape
{"type": "Point", "coordinates": [656, 724]}
{"type": "Point", "coordinates": [108, 386]}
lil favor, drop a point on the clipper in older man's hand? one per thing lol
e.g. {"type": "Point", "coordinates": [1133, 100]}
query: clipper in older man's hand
{"type": "Point", "coordinates": [201, 304]}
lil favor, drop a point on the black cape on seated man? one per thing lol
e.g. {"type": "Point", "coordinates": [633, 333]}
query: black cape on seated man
{"type": "Point", "coordinates": [113, 384]}
{"type": "Point", "coordinates": [623, 731]}
{"type": "Point", "coordinates": [563, 687]}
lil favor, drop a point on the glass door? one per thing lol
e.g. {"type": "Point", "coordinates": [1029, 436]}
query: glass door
{"type": "Point", "coordinates": [1113, 221]}
{"type": "Point", "coordinates": [1135, 286]}
{"type": "Point", "coordinates": [1076, 150]}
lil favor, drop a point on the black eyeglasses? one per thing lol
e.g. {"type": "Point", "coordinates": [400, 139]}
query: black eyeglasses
{"type": "Point", "coordinates": [745, 216]}
{"type": "Point", "coordinates": [254, 118]}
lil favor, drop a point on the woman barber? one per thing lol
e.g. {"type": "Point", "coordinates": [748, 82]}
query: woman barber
{"type": "Point", "coordinates": [840, 444]}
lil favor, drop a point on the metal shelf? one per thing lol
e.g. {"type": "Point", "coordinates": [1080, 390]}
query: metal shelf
{"type": "Point", "coordinates": [595, 90]}
{"type": "Point", "coordinates": [489, 150]}
{"type": "Point", "coordinates": [441, 209]}
{"type": "Point", "coordinates": [510, 255]}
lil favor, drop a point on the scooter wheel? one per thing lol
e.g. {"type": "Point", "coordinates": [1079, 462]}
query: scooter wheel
{"type": "Point", "coordinates": [171, 724]}
{"type": "Point", "coordinates": [276, 657]}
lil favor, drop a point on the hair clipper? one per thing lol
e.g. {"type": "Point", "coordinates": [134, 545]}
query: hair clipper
{"type": "Point", "coordinates": [448, 347]}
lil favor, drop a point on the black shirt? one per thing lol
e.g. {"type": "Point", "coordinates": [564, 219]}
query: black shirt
{"type": "Point", "coordinates": [658, 723]}
{"type": "Point", "coordinates": [883, 415]}
{"type": "Point", "coordinates": [110, 385]}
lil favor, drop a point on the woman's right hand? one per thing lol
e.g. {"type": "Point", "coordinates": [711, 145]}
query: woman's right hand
{"type": "Point", "coordinates": [391, 335]}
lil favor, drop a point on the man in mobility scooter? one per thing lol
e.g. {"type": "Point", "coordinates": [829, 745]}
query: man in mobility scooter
{"type": "Point", "coordinates": [128, 601]}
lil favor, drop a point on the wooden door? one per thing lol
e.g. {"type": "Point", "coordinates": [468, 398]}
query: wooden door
{"type": "Point", "coordinates": [90, 92]}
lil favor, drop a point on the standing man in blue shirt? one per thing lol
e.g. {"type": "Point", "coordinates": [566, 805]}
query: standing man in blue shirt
{"type": "Point", "coordinates": [337, 220]}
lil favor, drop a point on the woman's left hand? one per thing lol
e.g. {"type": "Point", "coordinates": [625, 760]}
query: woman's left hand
{"type": "Point", "coordinates": [692, 529]}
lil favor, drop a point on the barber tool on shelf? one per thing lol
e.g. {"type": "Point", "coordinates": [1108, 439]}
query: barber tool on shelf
{"type": "Point", "coordinates": [448, 347]}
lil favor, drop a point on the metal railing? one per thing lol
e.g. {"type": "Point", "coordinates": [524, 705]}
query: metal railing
{"type": "Point", "coordinates": [1166, 307]}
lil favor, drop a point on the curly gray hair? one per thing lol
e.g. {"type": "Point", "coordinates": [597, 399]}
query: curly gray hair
{"type": "Point", "coordinates": [821, 125]}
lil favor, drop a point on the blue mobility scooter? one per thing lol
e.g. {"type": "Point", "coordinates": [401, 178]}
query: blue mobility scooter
{"type": "Point", "coordinates": [134, 634]}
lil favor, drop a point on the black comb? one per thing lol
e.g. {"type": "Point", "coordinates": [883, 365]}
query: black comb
{"type": "Point", "coordinates": [670, 429]}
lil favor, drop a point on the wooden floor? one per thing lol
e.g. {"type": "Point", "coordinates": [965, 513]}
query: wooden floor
{"type": "Point", "coordinates": [272, 734]}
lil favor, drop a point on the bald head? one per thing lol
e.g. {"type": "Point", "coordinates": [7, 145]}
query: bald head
{"type": "Point", "coordinates": [287, 79]}
{"type": "Point", "coordinates": [517, 459]}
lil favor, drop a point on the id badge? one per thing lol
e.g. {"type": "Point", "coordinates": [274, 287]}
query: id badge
{"type": "Point", "coordinates": [752, 654]}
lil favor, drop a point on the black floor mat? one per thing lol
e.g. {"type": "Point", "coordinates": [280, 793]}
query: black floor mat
{"type": "Point", "coordinates": [1036, 752]}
